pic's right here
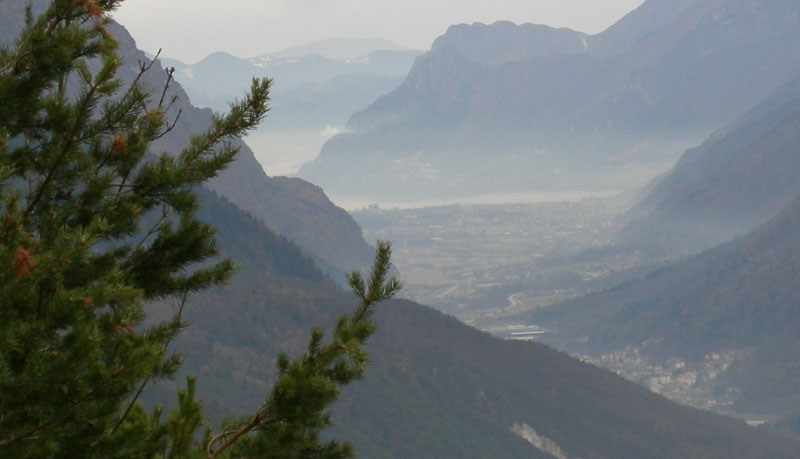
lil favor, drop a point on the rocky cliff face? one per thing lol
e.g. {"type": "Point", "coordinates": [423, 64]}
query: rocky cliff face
{"type": "Point", "coordinates": [503, 42]}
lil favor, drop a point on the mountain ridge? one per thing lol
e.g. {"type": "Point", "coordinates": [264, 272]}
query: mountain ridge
{"type": "Point", "coordinates": [338, 48]}
{"type": "Point", "coordinates": [294, 208]}
{"type": "Point", "coordinates": [734, 182]}
{"type": "Point", "coordinates": [670, 85]}
{"type": "Point", "coordinates": [436, 385]}
{"type": "Point", "coordinates": [739, 296]}
{"type": "Point", "coordinates": [221, 76]}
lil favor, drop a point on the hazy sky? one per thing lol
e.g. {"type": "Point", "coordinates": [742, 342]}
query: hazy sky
{"type": "Point", "coordinates": [191, 29]}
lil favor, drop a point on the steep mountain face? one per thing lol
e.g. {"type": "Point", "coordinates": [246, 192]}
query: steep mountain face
{"type": "Point", "coordinates": [504, 42]}
{"type": "Point", "coordinates": [312, 94]}
{"type": "Point", "coordinates": [292, 207]}
{"type": "Point", "coordinates": [739, 297]}
{"type": "Point", "coordinates": [712, 62]}
{"type": "Point", "coordinates": [737, 180]}
{"type": "Point", "coordinates": [558, 109]}
{"type": "Point", "coordinates": [649, 17]}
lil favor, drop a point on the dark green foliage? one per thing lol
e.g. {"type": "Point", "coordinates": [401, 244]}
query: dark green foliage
{"type": "Point", "coordinates": [288, 424]}
{"type": "Point", "coordinates": [253, 244]}
{"type": "Point", "coordinates": [92, 227]}
{"type": "Point", "coordinates": [78, 260]}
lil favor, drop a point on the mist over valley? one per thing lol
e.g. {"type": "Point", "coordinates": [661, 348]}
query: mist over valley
{"type": "Point", "coordinates": [523, 170]}
{"type": "Point", "coordinates": [596, 235]}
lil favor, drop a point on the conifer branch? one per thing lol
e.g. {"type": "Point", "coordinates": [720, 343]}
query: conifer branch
{"type": "Point", "coordinates": [318, 361]}
{"type": "Point", "coordinates": [72, 339]}
{"type": "Point", "coordinates": [142, 386]}
{"type": "Point", "coordinates": [27, 434]}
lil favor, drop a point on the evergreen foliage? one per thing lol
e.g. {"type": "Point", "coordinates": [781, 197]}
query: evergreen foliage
{"type": "Point", "coordinates": [287, 425]}
{"type": "Point", "coordinates": [92, 227]}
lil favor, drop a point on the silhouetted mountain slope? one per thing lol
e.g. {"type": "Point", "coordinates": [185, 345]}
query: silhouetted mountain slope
{"type": "Point", "coordinates": [493, 384]}
{"type": "Point", "coordinates": [649, 17]}
{"type": "Point", "coordinates": [737, 180]}
{"type": "Point", "coordinates": [742, 296]}
{"type": "Point", "coordinates": [503, 42]}
{"type": "Point", "coordinates": [292, 207]}
{"type": "Point", "coordinates": [522, 107]}
{"type": "Point", "coordinates": [254, 245]}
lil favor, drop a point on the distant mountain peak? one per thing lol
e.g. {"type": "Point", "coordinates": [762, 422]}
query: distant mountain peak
{"type": "Point", "coordinates": [632, 98]}
{"type": "Point", "coordinates": [504, 41]}
{"type": "Point", "coordinates": [337, 48]}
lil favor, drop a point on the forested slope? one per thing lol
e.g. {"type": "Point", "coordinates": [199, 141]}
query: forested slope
{"type": "Point", "coordinates": [737, 180]}
{"type": "Point", "coordinates": [435, 387]}
{"type": "Point", "coordinates": [740, 296]}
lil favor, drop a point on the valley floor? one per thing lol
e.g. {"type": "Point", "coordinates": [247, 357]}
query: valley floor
{"type": "Point", "coordinates": [484, 262]}
{"type": "Point", "coordinates": [487, 264]}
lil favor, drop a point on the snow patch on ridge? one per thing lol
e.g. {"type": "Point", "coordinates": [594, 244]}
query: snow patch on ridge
{"type": "Point", "coordinates": [539, 442]}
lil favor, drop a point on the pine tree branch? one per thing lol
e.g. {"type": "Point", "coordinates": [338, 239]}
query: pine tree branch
{"type": "Point", "coordinates": [139, 392]}
{"type": "Point", "coordinates": [169, 126]}
{"type": "Point", "coordinates": [318, 360]}
{"type": "Point", "coordinates": [230, 441]}
{"type": "Point", "coordinates": [169, 71]}
{"type": "Point", "coordinates": [70, 140]}
{"type": "Point", "coordinates": [4, 444]}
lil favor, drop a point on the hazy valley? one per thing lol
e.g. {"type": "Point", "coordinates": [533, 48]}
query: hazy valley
{"type": "Point", "coordinates": [462, 259]}
{"type": "Point", "coordinates": [504, 197]}
{"type": "Point", "coordinates": [316, 88]}
{"type": "Point", "coordinates": [597, 233]}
